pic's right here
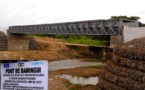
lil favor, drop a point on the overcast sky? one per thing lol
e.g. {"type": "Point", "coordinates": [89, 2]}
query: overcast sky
{"type": "Point", "coordinates": [25, 12]}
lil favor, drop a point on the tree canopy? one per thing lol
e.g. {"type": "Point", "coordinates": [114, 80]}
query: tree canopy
{"type": "Point", "coordinates": [134, 18]}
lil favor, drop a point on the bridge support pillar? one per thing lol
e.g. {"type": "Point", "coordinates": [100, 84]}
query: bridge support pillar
{"type": "Point", "coordinates": [18, 42]}
{"type": "Point", "coordinates": [116, 40]}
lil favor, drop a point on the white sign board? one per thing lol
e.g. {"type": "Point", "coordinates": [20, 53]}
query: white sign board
{"type": "Point", "coordinates": [31, 75]}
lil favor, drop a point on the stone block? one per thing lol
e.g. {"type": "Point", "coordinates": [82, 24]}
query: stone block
{"type": "Point", "coordinates": [132, 64]}
{"type": "Point", "coordinates": [125, 72]}
{"type": "Point", "coordinates": [105, 85]}
{"type": "Point", "coordinates": [123, 82]}
{"type": "Point", "coordinates": [32, 44]}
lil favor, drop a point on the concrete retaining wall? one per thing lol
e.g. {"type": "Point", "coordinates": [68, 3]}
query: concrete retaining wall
{"type": "Point", "coordinates": [17, 42]}
{"type": "Point", "coordinates": [127, 35]}
{"type": "Point", "coordinates": [133, 33]}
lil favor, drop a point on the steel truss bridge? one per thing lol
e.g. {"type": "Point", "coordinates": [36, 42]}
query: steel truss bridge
{"type": "Point", "coordinates": [92, 27]}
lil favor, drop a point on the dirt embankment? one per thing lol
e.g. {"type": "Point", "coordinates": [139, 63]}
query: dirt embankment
{"type": "Point", "coordinates": [54, 49]}
{"type": "Point", "coordinates": [81, 71]}
{"type": "Point", "coordinates": [48, 49]}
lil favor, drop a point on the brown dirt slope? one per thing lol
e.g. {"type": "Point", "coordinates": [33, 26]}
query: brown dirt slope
{"type": "Point", "coordinates": [48, 49]}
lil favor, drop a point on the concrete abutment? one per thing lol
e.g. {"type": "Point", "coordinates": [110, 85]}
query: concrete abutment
{"type": "Point", "coordinates": [17, 42]}
{"type": "Point", "coordinates": [116, 40]}
{"type": "Point", "coordinates": [127, 35]}
{"type": "Point", "coordinates": [20, 42]}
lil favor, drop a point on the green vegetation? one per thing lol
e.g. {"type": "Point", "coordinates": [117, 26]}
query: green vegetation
{"type": "Point", "coordinates": [97, 66]}
{"type": "Point", "coordinates": [134, 18]}
{"type": "Point", "coordinates": [68, 84]}
{"type": "Point", "coordinates": [73, 86]}
{"type": "Point", "coordinates": [89, 40]}
{"type": "Point", "coordinates": [86, 41]}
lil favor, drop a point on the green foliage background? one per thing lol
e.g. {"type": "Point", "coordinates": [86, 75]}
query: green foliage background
{"type": "Point", "coordinates": [134, 18]}
{"type": "Point", "coordinates": [89, 40]}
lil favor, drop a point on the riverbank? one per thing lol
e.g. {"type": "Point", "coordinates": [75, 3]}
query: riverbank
{"type": "Point", "coordinates": [83, 77]}
{"type": "Point", "coordinates": [57, 83]}
{"type": "Point", "coordinates": [52, 50]}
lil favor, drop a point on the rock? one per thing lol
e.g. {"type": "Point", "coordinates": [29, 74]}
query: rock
{"type": "Point", "coordinates": [126, 70]}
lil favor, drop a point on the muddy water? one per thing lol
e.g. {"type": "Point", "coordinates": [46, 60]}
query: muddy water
{"type": "Point", "coordinates": [67, 64]}
{"type": "Point", "coordinates": [80, 80]}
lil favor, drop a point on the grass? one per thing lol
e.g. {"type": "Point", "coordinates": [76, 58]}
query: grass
{"type": "Point", "coordinates": [73, 86]}
{"type": "Point", "coordinates": [88, 40]}
{"type": "Point", "coordinates": [97, 66]}
{"type": "Point", "coordinates": [68, 84]}
{"type": "Point", "coordinates": [85, 41]}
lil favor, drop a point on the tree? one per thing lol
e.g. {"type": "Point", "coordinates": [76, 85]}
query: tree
{"type": "Point", "coordinates": [134, 18]}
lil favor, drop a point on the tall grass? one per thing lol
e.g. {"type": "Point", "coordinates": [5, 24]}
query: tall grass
{"type": "Point", "coordinates": [89, 40]}
{"type": "Point", "coordinates": [86, 41]}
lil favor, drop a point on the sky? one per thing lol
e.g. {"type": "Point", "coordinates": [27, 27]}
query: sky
{"type": "Point", "coordinates": [27, 12]}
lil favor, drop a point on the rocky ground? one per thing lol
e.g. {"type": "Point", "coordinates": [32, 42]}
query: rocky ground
{"type": "Point", "coordinates": [54, 49]}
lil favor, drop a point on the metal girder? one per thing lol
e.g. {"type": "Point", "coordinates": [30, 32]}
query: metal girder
{"type": "Point", "coordinates": [93, 27]}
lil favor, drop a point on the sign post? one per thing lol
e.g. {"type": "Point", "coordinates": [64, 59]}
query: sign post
{"type": "Point", "coordinates": [31, 75]}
